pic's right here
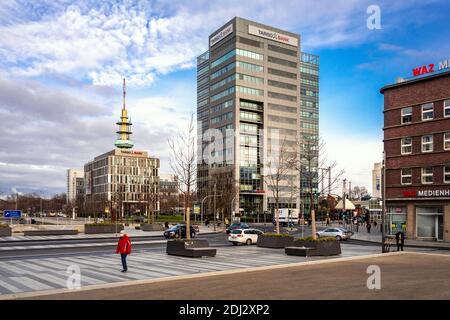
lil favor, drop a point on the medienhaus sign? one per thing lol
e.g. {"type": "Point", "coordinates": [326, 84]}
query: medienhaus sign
{"type": "Point", "coordinates": [222, 34]}
{"type": "Point", "coordinates": [272, 35]}
{"type": "Point", "coordinates": [427, 193]}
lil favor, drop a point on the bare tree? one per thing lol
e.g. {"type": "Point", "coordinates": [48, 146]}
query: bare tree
{"type": "Point", "coordinates": [359, 192]}
{"type": "Point", "coordinates": [184, 165]}
{"type": "Point", "coordinates": [278, 170]}
{"type": "Point", "coordinates": [310, 164]}
{"type": "Point", "coordinates": [226, 189]}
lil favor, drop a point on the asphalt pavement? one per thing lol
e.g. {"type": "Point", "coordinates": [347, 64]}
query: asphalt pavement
{"type": "Point", "coordinates": [401, 276]}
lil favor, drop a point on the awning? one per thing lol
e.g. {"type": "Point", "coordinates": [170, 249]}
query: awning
{"type": "Point", "coordinates": [348, 205]}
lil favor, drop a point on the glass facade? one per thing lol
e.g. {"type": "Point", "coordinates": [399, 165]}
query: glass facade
{"type": "Point", "coordinates": [309, 128]}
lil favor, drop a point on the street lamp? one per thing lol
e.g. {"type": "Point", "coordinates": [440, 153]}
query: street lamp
{"type": "Point", "coordinates": [232, 209]}
{"type": "Point", "coordinates": [203, 200]}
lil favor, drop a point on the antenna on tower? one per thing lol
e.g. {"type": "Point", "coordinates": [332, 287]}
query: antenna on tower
{"type": "Point", "coordinates": [124, 92]}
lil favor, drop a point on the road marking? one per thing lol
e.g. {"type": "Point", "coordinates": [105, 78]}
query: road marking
{"type": "Point", "coordinates": [30, 283]}
{"type": "Point", "coordinates": [10, 287]}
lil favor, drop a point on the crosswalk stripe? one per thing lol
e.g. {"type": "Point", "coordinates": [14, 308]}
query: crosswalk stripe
{"type": "Point", "coordinates": [51, 264]}
{"type": "Point", "coordinates": [59, 282]}
{"type": "Point", "coordinates": [32, 284]}
{"type": "Point", "coordinates": [12, 268]}
{"type": "Point", "coordinates": [30, 267]}
{"type": "Point", "coordinates": [9, 287]}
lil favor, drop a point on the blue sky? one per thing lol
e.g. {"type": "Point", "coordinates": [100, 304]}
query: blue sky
{"type": "Point", "coordinates": [61, 64]}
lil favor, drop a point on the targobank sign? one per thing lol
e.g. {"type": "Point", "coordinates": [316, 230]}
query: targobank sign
{"type": "Point", "coordinates": [222, 34]}
{"type": "Point", "coordinates": [272, 35]}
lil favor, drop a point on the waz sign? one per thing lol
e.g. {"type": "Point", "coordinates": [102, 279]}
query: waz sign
{"type": "Point", "coordinates": [432, 67]}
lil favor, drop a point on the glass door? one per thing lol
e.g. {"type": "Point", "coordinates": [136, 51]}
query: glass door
{"type": "Point", "coordinates": [426, 226]}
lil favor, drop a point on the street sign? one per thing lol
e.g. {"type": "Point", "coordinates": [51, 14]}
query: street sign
{"type": "Point", "coordinates": [12, 213]}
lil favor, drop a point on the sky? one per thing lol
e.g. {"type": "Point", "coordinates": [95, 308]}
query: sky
{"type": "Point", "coordinates": [61, 65]}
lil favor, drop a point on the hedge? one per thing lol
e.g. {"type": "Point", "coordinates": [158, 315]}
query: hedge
{"type": "Point", "coordinates": [276, 235]}
{"type": "Point", "coordinates": [318, 239]}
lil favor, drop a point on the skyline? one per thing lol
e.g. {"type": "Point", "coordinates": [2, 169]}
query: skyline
{"type": "Point", "coordinates": [71, 59]}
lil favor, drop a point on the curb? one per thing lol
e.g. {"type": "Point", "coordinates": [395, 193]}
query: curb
{"type": "Point", "coordinates": [405, 245]}
{"type": "Point", "coordinates": [92, 238]}
{"type": "Point", "coordinates": [44, 293]}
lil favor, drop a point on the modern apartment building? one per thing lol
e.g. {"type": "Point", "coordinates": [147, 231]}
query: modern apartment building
{"type": "Point", "coordinates": [417, 151]}
{"type": "Point", "coordinates": [75, 184]}
{"type": "Point", "coordinates": [122, 182]}
{"type": "Point", "coordinates": [252, 84]}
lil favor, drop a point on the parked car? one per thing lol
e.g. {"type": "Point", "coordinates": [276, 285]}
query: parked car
{"type": "Point", "coordinates": [235, 226]}
{"type": "Point", "coordinates": [247, 236]}
{"type": "Point", "coordinates": [178, 231]}
{"type": "Point", "coordinates": [338, 233]}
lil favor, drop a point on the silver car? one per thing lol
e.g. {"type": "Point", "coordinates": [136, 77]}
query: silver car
{"type": "Point", "coordinates": [338, 233]}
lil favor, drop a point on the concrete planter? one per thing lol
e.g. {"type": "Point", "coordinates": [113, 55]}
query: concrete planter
{"type": "Point", "coordinates": [274, 242]}
{"type": "Point", "coordinates": [152, 227]}
{"type": "Point", "coordinates": [190, 248]}
{"type": "Point", "coordinates": [95, 229]}
{"type": "Point", "coordinates": [5, 232]}
{"type": "Point", "coordinates": [50, 232]}
{"type": "Point", "coordinates": [320, 248]}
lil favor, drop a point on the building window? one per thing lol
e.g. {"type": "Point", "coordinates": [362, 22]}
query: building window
{"type": "Point", "coordinates": [447, 108]}
{"type": "Point", "coordinates": [446, 174]}
{"type": "Point", "coordinates": [406, 176]}
{"type": "Point", "coordinates": [427, 111]}
{"type": "Point", "coordinates": [427, 175]}
{"type": "Point", "coordinates": [407, 115]}
{"type": "Point", "coordinates": [447, 141]}
{"type": "Point", "coordinates": [406, 145]}
{"type": "Point", "coordinates": [427, 143]}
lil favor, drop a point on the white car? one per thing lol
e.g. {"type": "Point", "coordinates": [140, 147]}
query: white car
{"type": "Point", "coordinates": [338, 233]}
{"type": "Point", "coordinates": [247, 236]}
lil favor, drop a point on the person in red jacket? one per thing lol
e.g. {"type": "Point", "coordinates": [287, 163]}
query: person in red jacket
{"type": "Point", "coordinates": [124, 248]}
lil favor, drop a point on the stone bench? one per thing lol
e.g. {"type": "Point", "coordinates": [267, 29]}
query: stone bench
{"type": "Point", "coordinates": [50, 232]}
{"type": "Point", "coordinates": [192, 248]}
{"type": "Point", "coordinates": [298, 251]}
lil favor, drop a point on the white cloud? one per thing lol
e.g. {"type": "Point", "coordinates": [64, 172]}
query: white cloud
{"type": "Point", "coordinates": [144, 39]}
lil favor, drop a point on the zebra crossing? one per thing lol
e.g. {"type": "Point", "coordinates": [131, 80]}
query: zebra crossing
{"type": "Point", "coordinates": [35, 274]}
{"type": "Point", "coordinates": [75, 245]}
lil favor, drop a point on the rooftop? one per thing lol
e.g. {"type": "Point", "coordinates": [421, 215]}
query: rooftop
{"type": "Point", "coordinates": [416, 80]}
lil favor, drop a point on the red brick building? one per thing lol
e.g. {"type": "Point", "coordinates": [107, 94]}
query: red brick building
{"type": "Point", "coordinates": [417, 150]}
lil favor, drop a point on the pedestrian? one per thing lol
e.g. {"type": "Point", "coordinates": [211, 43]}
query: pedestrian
{"type": "Point", "coordinates": [375, 224]}
{"type": "Point", "coordinates": [226, 222]}
{"type": "Point", "coordinates": [166, 225]}
{"type": "Point", "coordinates": [369, 226]}
{"type": "Point", "coordinates": [124, 248]}
{"type": "Point", "coordinates": [400, 240]}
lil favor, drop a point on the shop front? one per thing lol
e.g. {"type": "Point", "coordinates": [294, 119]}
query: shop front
{"type": "Point", "coordinates": [419, 220]}
{"type": "Point", "coordinates": [397, 219]}
{"type": "Point", "coordinates": [430, 223]}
